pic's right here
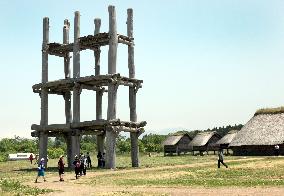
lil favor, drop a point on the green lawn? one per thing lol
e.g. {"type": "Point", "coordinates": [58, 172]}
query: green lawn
{"type": "Point", "coordinates": [266, 171]}
{"type": "Point", "coordinates": [159, 171]}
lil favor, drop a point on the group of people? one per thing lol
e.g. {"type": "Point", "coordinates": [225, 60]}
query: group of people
{"type": "Point", "coordinates": [81, 164]}
{"type": "Point", "coordinates": [101, 160]}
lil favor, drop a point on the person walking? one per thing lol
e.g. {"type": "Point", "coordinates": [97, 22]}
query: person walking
{"type": "Point", "coordinates": [89, 161]}
{"type": "Point", "coordinates": [31, 158]}
{"type": "Point", "coordinates": [99, 157]}
{"type": "Point", "coordinates": [82, 165]}
{"type": "Point", "coordinates": [103, 160]}
{"type": "Point", "coordinates": [61, 168]}
{"type": "Point", "coordinates": [77, 164]}
{"type": "Point", "coordinates": [41, 170]}
{"type": "Point", "coordinates": [221, 158]}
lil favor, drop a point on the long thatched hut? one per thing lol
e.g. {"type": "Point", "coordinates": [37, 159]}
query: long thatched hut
{"type": "Point", "coordinates": [176, 144]}
{"type": "Point", "coordinates": [205, 141]}
{"type": "Point", "coordinates": [261, 133]}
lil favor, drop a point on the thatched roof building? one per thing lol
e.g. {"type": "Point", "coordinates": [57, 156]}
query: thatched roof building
{"type": "Point", "coordinates": [205, 141]}
{"type": "Point", "coordinates": [261, 133]}
{"type": "Point", "coordinates": [177, 144]}
{"type": "Point", "coordinates": [227, 139]}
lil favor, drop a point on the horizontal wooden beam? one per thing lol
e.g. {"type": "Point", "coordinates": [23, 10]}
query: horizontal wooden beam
{"type": "Point", "coordinates": [89, 125]}
{"type": "Point", "coordinates": [92, 42]}
{"type": "Point", "coordinates": [96, 127]}
{"type": "Point", "coordinates": [92, 82]}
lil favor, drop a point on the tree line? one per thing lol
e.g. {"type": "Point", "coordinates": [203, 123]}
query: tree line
{"type": "Point", "coordinates": [56, 147]}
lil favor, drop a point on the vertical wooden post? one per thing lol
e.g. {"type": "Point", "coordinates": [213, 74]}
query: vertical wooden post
{"type": "Point", "coordinates": [77, 89]}
{"type": "Point", "coordinates": [67, 95]}
{"type": "Point", "coordinates": [132, 92]}
{"type": "Point", "coordinates": [112, 89]}
{"type": "Point", "coordinates": [99, 94]}
{"type": "Point", "coordinates": [44, 93]}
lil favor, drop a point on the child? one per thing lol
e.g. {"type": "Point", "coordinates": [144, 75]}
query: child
{"type": "Point", "coordinates": [61, 168]}
{"type": "Point", "coordinates": [40, 170]}
{"type": "Point", "coordinates": [77, 166]}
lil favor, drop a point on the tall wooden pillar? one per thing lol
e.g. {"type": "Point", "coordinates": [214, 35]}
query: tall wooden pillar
{"type": "Point", "coordinates": [112, 89]}
{"type": "Point", "coordinates": [99, 94]}
{"type": "Point", "coordinates": [67, 95]}
{"type": "Point", "coordinates": [132, 92]}
{"type": "Point", "coordinates": [44, 93]}
{"type": "Point", "coordinates": [75, 139]}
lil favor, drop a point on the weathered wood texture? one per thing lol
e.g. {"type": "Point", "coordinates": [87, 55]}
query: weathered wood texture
{"type": "Point", "coordinates": [111, 136]}
{"type": "Point", "coordinates": [67, 94]}
{"type": "Point", "coordinates": [132, 92]}
{"type": "Point", "coordinates": [73, 128]}
{"type": "Point", "coordinates": [75, 140]}
{"type": "Point", "coordinates": [95, 83]}
{"type": "Point", "coordinates": [67, 72]}
{"type": "Point", "coordinates": [90, 125]}
{"type": "Point", "coordinates": [91, 42]}
{"type": "Point", "coordinates": [99, 94]}
{"type": "Point", "coordinates": [44, 94]}
{"type": "Point", "coordinates": [113, 41]}
{"type": "Point", "coordinates": [112, 89]}
{"type": "Point", "coordinates": [100, 142]}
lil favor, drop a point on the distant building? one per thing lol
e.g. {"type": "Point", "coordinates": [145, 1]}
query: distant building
{"type": "Point", "coordinates": [177, 144]}
{"type": "Point", "coordinates": [204, 142]}
{"type": "Point", "coordinates": [261, 134]}
{"type": "Point", "coordinates": [227, 139]}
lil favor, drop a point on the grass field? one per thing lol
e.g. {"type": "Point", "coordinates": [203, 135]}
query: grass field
{"type": "Point", "coordinates": [177, 172]}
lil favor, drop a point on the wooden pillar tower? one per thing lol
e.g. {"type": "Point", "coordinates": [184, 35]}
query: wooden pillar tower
{"type": "Point", "coordinates": [107, 129]}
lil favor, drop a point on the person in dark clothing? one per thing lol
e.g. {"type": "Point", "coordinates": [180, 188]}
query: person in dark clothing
{"type": "Point", "coordinates": [89, 161]}
{"type": "Point", "coordinates": [103, 160]}
{"type": "Point", "coordinates": [221, 158]}
{"type": "Point", "coordinates": [82, 165]}
{"type": "Point", "coordinates": [31, 158]}
{"type": "Point", "coordinates": [77, 164]}
{"type": "Point", "coordinates": [61, 168]}
{"type": "Point", "coordinates": [100, 157]}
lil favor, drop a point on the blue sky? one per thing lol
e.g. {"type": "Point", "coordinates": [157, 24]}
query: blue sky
{"type": "Point", "coordinates": [205, 63]}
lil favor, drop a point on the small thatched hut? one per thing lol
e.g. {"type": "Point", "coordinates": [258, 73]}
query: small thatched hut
{"type": "Point", "coordinates": [227, 139]}
{"type": "Point", "coordinates": [177, 144]}
{"type": "Point", "coordinates": [261, 133]}
{"type": "Point", "coordinates": [205, 141]}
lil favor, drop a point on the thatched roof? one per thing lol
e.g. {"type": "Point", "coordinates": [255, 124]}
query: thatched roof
{"type": "Point", "coordinates": [173, 139]}
{"type": "Point", "coordinates": [202, 138]}
{"type": "Point", "coordinates": [269, 111]}
{"type": "Point", "coordinates": [262, 129]}
{"type": "Point", "coordinates": [228, 138]}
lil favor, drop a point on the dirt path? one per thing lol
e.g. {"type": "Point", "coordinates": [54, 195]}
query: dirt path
{"type": "Point", "coordinates": [76, 187]}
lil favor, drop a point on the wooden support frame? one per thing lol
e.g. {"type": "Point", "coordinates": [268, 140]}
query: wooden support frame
{"type": "Point", "coordinates": [73, 128]}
